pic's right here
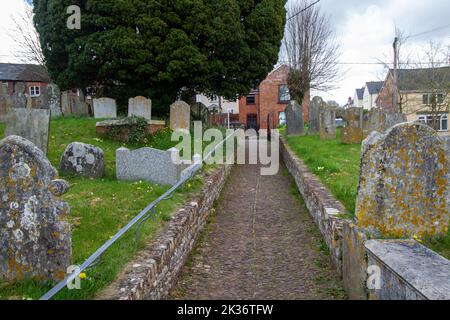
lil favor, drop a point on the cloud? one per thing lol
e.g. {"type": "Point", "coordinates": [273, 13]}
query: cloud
{"type": "Point", "coordinates": [365, 29]}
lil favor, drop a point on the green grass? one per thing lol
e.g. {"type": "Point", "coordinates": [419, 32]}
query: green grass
{"type": "Point", "coordinates": [100, 208]}
{"type": "Point", "coordinates": [337, 166]}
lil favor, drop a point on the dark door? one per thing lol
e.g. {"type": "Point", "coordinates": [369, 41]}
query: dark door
{"type": "Point", "coordinates": [252, 121]}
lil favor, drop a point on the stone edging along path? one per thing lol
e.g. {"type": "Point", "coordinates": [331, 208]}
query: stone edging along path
{"type": "Point", "coordinates": [154, 272]}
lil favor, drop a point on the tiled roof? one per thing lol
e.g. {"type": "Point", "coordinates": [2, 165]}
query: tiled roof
{"type": "Point", "coordinates": [420, 79]}
{"type": "Point", "coordinates": [23, 72]}
{"type": "Point", "coordinates": [374, 87]}
{"type": "Point", "coordinates": [360, 93]}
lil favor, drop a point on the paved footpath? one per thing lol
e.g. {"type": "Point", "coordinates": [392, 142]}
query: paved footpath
{"type": "Point", "coordinates": [260, 244]}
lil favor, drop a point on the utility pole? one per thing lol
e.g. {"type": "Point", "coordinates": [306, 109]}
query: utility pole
{"type": "Point", "coordinates": [395, 93]}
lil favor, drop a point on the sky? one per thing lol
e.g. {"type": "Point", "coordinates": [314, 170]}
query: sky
{"type": "Point", "coordinates": [364, 29]}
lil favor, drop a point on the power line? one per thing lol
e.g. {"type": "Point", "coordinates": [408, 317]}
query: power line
{"type": "Point", "coordinates": [429, 31]}
{"type": "Point", "coordinates": [303, 10]}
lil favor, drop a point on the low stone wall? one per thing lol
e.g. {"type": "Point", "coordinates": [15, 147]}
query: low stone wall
{"type": "Point", "coordinates": [407, 270]}
{"type": "Point", "coordinates": [155, 271]}
{"type": "Point", "coordinates": [322, 205]}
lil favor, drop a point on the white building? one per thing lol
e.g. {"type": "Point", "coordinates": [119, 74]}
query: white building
{"type": "Point", "coordinates": [371, 92]}
{"type": "Point", "coordinates": [214, 103]}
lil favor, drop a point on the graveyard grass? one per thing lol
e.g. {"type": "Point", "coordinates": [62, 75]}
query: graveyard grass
{"type": "Point", "coordinates": [337, 166]}
{"type": "Point", "coordinates": [100, 208]}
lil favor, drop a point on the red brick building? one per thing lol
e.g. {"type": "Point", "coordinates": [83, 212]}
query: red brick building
{"type": "Point", "coordinates": [265, 106]}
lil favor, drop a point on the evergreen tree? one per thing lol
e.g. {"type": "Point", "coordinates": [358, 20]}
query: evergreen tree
{"type": "Point", "coordinates": [158, 47]}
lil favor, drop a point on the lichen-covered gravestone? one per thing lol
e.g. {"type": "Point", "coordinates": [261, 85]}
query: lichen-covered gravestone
{"type": "Point", "coordinates": [105, 108]}
{"type": "Point", "coordinates": [404, 183]}
{"type": "Point", "coordinates": [34, 231]}
{"type": "Point", "coordinates": [180, 116]}
{"type": "Point", "coordinates": [83, 159]}
{"type": "Point", "coordinates": [31, 124]}
{"type": "Point", "coordinates": [327, 122]}
{"type": "Point", "coordinates": [140, 107]}
{"type": "Point", "coordinates": [294, 119]}
{"type": "Point", "coordinates": [54, 100]}
{"type": "Point", "coordinates": [313, 111]}
{"type": "Point", "coordinates": [352, 132]}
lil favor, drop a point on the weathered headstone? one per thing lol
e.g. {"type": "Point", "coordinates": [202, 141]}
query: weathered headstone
{"type": "Point", "coordinates": [83, 159]}
{"type": "Point", "coordinates": [35, 240]}
{"type": "Point", "coordinates": [105, 108]}
{"type": "Point", "coordinates": [54, 100]}
{"type": "Point", "coordinates": [18, 100]}
{"type": "Point", "coordinates": [149, 164]}
{"type": "Point", "coordinates": [327, 122]}
{"type": "Point", "coordinates": [180, 116]}
{"type": "Point", "coordinates": [404, 183]}
{"type": "Point", "coordinates": [294, 119]}
{"type": "Point", "coordinates": [380, 121]}
{"type": "Point", "coordinates": [4, 88]}
{"type": "Point", "coordinates": [74, 104]}
{"type": "Point", "coordinates": [352, 132]}
{"type": "Point", "coordinates": [314, 108]}
{"type": "Point", "coordinates": [5, 103]}
{"type": "Point", "coordinates": [31, 124]}
{"type": "Point", "coordinates": [140, 107]}
{"type": "Point", "coordinates": [391, 119]}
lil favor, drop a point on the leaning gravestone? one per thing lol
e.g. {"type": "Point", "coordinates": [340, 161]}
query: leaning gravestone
{"type": "Point", "coordinates": [313, 111]}
{"type": "Point", "coordinates": [105, 108]}
{"type": "Point", "coordinates": [31, 124]}
{"type": "Point", "coordinates": [34, 232]}
{"type": "Point", "coordinates": [352, 132]}
{"type": "Point", "coordinates": [83, 159]}
{"type": "Point", "coordinates": [180, 116]}
{"type": "Point", "coordinates": [294, 119]}
{"type": "Point", "coordinates": [404, 188]}
{"type": "Point", "coordinates": [140, 107]}
{"type": "Point", "coordinates": [327, 122]}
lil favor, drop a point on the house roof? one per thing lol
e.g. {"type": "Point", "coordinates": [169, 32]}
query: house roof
{"type": "Point", "coordinates": [420, 79]}
{"type": "Point", "coordinates": [23, 72]}
{"type": "Point", "coordinates": [360, 93]}
{"type": "Point", "coordinates": [374, 87]}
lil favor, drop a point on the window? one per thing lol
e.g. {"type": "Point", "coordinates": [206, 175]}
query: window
{"type": "Point", "coordinates": [428, 98]}
{"type": "Point", "coordinates": [282, 118]}
{"type": "Point", "coordinates": [35, 91]}
{"type": "Point", "coordinates": [283, 94]}
{"type": "Point", "coordinates": [251, 99]}
{"type": "Point", "coordinates": [428, 119]}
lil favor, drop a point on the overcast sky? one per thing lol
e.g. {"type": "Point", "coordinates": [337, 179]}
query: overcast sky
{"type": "Point", "coordinates": [365, 29]}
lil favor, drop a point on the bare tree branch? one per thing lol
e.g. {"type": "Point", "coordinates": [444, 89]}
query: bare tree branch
{"type": "Point", "coordinates": [311, 49]}
{"type": "Point", "coordinates": [26, 37]}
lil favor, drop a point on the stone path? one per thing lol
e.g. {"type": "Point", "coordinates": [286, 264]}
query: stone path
{"type": "Point", "coordinates": [260, 244]}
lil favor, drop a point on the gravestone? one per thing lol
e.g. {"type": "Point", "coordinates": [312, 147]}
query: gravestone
{"type": "Point", "coordinates": [180, 116]}
{"type": "Point", "coordinates": [5, 104]}
{"type": "Point", "coordinates": [314, 108]}
{"type": "Point", "coordinates": [327, 122]}
{"type": "Point", "coordinates": [31, 124]}
{"type": "Point", "coordinates": [18, 100]}
{"type": "Point", "coordinates": [74, 104]}
{"type": "Point", "coordinates": [294, 119]}
{"type": "Point", "coordinates": [352, 132]}
{"type": "Point", "coordinates": [4, 88]}
{"type": "Point", "coordinates": [391, 119]}
{"type": "Point", "coordinates": [404, 183]}
{"type": "Point", "coordinates": [380, 121]}
{"type": "Point", "coordinates": [140, 107]}
{"type": "Point", "coordinates": [34, 232]}
{"type": "Point", "coordinates": [105, 108]}
{"type": "Point", "coordinates": [83, 160]}
{"type": "Point", "coordinates": [54, 100]}
{"type": "Point", "coordinates": [148, 164]}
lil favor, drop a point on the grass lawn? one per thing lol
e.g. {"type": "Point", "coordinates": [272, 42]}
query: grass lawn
{"type": "Point", "coordinates": [100, 208]}
{"type": "Point", "coordinates": [337, 166]}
